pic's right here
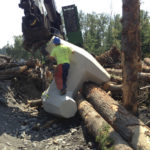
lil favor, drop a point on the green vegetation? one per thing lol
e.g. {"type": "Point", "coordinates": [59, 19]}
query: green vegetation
{"type": "Point", "coordinates": [17, 52]}
{"type": "Point", "coordinates": [105, 142]}
{"type": "Point", "coordinates": [100, 32]}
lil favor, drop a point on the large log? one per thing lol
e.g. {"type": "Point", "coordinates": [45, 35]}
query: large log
{"type": "Point", "coordinates": [118, 72]}
{"type": "Point", "coordinates": [30, 63]}
{"type": "Point", "coordinates": [144, 76]}
{"type": "Point", "coordinates": [96, 126]}
{"type": "Point", "coordinates": [4, 59]}
{"type": "Point", "coordinates": [127, 125]}
{"type": "Point", "coordinates": [145, 68]}
{"type": "Point", "coordinates": [14, 70]}
{"type": "Point", "coordinates": [147, 61]}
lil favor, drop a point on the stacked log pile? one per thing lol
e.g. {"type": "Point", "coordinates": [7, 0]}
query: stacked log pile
{"type": "Point", "coordinates": [30, 68]}
{"type": "Point", "coordinates": [113, 127]}
{"type": "Point", "coordinates": [29, 78]}
{"type": "Point", "coordinates": [105, 117]}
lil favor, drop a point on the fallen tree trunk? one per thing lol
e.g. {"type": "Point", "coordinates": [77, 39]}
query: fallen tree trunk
{"type": "Point", "coordinates": [112, 87]}
{"type": "Point", "coordinates": [13, 70]}
{"type": "Point", "coordinates": [7, 74]}
{"type": "Point", "coordinates": [118, 72]}
{"type": "Point", "coordinates": [144, 76]}
{"type": "Point", "coordinates": [29, 63]}
{"type": "Point", "coordinates": [4, 59]}
{"type": "Point", "coordinates": [116, 79]}
{"type": "Point", "coordinates": [35, 103]}
{"type": "Point", "coordinates": [128, 126]}
{"type": "Point", "coordinates": [147, 61]}
{"type": "Point", "coordinates": [99, 128]}
{"type": "Point", "coordinates": [145, 68]}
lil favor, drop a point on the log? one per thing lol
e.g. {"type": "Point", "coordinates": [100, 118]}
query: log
{"type": "Point", "coordinates": [147, 61]}
{"type": "Point", "coordinates": [112, 87]}
{"type": "Point", "coordinates": [14, 70]}
{"type": "Point", "coordinates": [118, 72]}
{"type": "Point", "coordinates": [7, 58]}
{"type": "Point", "coordinates": [116, 79]}
{"type": "Point", "coordinates": [96, 126]}
{"type": "Point", "coordinates": [127, 125]}
{"type": "Point", "coordinates": [144, 76]}
{"type": "Point", "coordinates": [11, 64]}
{"type": "Point", "coordinates": [145, 68]}
{"type": "Point", "coordinates": [34, 103]}
{"type": "Point", "coordinates": [29, 63]}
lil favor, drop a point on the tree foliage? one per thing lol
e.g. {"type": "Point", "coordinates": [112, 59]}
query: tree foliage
{"type": "Point", "coordinates": [16, 51]}
{"type": "Point", "coordinates": [145, 33]}
{"type": "Point", "coordinates": [100, 32]}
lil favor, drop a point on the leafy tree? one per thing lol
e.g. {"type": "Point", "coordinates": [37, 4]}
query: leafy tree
{"type": "Point", "coordinates": [17, 52]}
{"type": "Point", "coordinates": [6, 48]}
{"type": "Point", "coordinates": [145, 33]}
{"type": "Point", "coordinates": [113, 36]}
{"type": "Point", "coordinates": [93, 28]}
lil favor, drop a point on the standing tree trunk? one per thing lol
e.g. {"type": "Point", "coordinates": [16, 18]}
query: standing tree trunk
{"type": "Point", "coordinates": [131, 54]}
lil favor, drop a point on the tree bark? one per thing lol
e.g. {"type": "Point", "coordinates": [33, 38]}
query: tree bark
{"type": "Point", "coordinates": [131, 53]}
{"type": "Point", "coordinates": [128, 126]}
{"type": "Point", "coordinates": [95, 123]}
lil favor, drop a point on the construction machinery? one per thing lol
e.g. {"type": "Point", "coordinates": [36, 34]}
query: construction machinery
{"type": "Point", "coordinates": [40, 22]}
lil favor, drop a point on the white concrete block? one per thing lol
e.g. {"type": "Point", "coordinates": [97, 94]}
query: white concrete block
{"type": "Point", "coordinates": [83, 67]}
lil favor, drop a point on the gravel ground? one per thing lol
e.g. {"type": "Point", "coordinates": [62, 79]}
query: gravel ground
{"type": "Point", "coordinates": [27, 128]}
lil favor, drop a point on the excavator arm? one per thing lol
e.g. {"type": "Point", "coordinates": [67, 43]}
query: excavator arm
{"type": "Point", "coordinates": [40, 22]}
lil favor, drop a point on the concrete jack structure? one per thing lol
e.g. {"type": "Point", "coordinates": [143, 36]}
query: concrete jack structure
{"type": "Point", "coordinates": [83, 67]}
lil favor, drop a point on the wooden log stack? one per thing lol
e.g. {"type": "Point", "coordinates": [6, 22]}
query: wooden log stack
{"type": "Point", "coordinates": [31, 69]}
{"type": "Point", "coordinates": [103, 108]}
{"type": "Point", "coordinates": [98, 109]}
{"type": "Point", "coordinates": [99, 128]}
{"type": "Point", "coordinates": [104, 117]}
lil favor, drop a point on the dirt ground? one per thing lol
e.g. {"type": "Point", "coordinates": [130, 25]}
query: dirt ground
{"type": "Point", "coordinates": [27, 128]}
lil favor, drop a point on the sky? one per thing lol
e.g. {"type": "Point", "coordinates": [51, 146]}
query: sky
{"type": "Point", "coordinates": [11, 14]}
